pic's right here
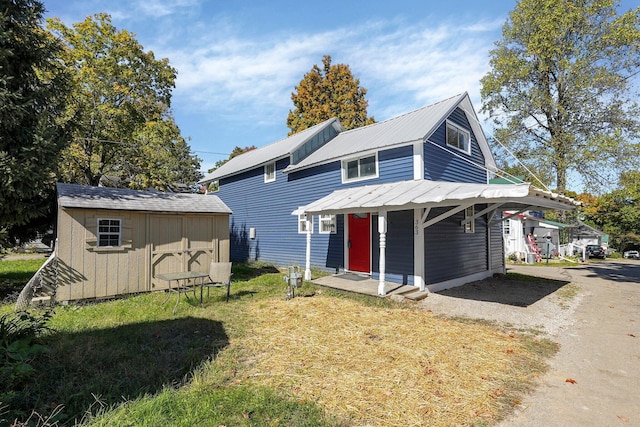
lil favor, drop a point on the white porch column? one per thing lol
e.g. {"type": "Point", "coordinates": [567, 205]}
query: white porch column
{"type": "Point", "coordinates": [307, 264]}
{"type": "Point", "coordinates": [418, 250]}
{"type": "Point", "coordinates": [382, 229]}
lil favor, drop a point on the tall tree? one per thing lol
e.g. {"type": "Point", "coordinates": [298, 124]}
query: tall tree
{"type": "Point", "coordinates": [618, 213]}
{"type": "Point", "coordinates": [32, 98]}
{"type": "Point", "coordinates": [234, 153]}
{"type": "Point", "coordinates": [561, 87]}
{"type": "Point", "coordinates": [325, 93]}
{"type": "Point", "coordinates": [120, 105]}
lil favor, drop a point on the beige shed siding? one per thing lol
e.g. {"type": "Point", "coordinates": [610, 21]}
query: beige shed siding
{"type": "Point", "coordinates": [151, 244]}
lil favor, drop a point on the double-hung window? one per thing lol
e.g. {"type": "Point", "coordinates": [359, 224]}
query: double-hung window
{"type": "Point", "coordinates": [360, 168]}
{"type": "Point", "coordinates": [506, 227]}
{"type": "Point", "coordinates": [327, 224]}
{"type": "Point", "coordinates": [458, 137]}
{"type": "Point", "coordinates": [270, 172]}
{"type": "Point", "coordinates": [302, 223]}
{"type": "Point", "coordinates": [109, 232]}
{"type": "Point", "coordinates": [470, 223]}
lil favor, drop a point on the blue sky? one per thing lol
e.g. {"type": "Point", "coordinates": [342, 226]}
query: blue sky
{"type": "Point", "coordinates": [238, 61]}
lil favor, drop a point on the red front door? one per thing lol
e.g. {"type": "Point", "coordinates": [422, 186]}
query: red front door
{"type": "Point", "coordinates": [360, 242]}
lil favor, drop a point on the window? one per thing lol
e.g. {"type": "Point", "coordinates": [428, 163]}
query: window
{"type": "Point", "coordinates": [109, 232]}
{"type": "Point", "coordinates": [302, 223]}
{"type": "Point", "coordinates": [469, 227]}
{"type": "Point", "coordinates": [327, 224]}
{"type": "Point", "coordinates": [457, 137]}
{"type": "Point", "coordinates": [362, 168]}
{"type": "Point", "coordinates": [270, 172]}
{"type": "Point", "coordinates": [506, 227]}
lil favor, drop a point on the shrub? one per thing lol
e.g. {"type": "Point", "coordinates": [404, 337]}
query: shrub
{"type": "Point", "coordinates": [20, 336]}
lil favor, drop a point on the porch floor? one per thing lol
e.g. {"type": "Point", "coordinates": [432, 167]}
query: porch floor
{"type": "Point", "coordinates": [352, 282]}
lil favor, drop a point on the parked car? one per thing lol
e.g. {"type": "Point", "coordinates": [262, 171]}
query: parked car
{"type": "Point", "coordinates": [632, 254]}
{"type": "Point", "coordinates": [596, 251]}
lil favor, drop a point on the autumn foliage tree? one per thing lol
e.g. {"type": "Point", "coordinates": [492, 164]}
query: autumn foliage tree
{"type": "Point", "coordinates": [561, 88]}
{"type": "Point", "coordinates": [120, 108]}
{"type": "Point", "coordinates": [325, 93]}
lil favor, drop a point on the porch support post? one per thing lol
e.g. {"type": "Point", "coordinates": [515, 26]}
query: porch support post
{"type": "Point", "coordinates": [307, 265]}
{"type": "Point", "coordinates": [418, 249]}
{"type": "Point", "coordinates": [382, 229]}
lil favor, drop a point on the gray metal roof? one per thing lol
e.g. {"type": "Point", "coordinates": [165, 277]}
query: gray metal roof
{"type": "Point", "coordinates": [417, 125]}
{"type": "Point", "coordinates": [81, 196]}
{"type": "Point", "coordinates": [424, 193]}
{"type": "Point", "coordinates": [269, 153]}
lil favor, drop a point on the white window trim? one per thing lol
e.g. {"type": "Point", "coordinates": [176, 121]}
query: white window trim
{"type": "Point", "coordinates": [360, 178]}
{"type": "Point", "coordinates": [331, 220]}
{"type": "Point", "coordinates": [469, 227]}
{"type": "Point", "coordinates": [266, 174]}
{"type": "Point", "coordinates": [98, 233]}
{"type": "Point", "coordinates": [467, 149]}
{"type": "Point", "coordinates": [302, 218]}
{"type": "Point", "coordinates": [506, 227]}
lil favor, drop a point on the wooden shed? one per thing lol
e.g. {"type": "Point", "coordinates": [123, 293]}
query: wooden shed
{"type": "Point", "coordinates": [113, 241]}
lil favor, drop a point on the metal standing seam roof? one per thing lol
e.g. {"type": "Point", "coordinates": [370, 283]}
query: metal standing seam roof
{"type": "Point", "coordinates": [268, 153]}
{"type": "Point", "coordinates": [86, 197]}
{"type": "Point", "coordinates": [416, 125]}
{"type": "Point", "coordinates": [416, 193]}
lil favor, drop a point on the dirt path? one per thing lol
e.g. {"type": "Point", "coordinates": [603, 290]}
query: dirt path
{"type": "Point", "coordinates": [600, 351]}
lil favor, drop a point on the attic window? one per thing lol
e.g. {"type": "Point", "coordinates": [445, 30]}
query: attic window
{"type": "Point", "coordinates": [270, 172]}
{"type": "Point", "coordinates": [458, 137]}
{"type": "Point", "coordinates": [360, 168]}
{"type": "Point", "coordinates": [109, 232]}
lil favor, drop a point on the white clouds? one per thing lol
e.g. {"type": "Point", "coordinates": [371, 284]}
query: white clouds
{"type": "Point", "coordinates": [413, 64]}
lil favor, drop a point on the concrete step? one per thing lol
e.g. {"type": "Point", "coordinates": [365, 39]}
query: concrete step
{"type": "Point", "coordinates": [416, 296]}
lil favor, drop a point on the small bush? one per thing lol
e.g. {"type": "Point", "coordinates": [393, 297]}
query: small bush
{"type": "Point", "coordinates": [19, 343]}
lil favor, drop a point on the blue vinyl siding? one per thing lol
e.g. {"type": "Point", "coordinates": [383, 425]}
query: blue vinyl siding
{"type": "Point", "coordinates": [443, 166]}
{"type": "Point", "coordinates": [268, 207]}
{"type": "Point", "coordinates": [399, 251]}
{"type": "Point", "coordinates": [451, 253]}
{"type": "Point", "coordinates": [497, 245]}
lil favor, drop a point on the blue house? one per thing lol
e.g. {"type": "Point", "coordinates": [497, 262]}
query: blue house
{"type": "Point", "coordinates": [405, 201]}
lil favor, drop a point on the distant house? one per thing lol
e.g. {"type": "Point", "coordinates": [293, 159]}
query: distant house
{"type": "Point", "coordinates": [405, 201]}
{"type": "Point", "coordinates": [113, 241]}
{"type": "Point", "coordinates": [518, 226]}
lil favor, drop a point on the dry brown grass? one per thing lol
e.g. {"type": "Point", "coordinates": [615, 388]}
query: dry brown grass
{"type": "Point", "coordinates": [386, 366]}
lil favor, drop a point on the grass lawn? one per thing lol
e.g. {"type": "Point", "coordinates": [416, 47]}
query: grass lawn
{"type": "Point", "coordinates": [322, 359]}
{"type": "Point", "coordinates": [15, 274]}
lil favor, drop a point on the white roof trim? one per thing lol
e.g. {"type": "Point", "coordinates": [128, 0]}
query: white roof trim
{"type": "Point", "coordinates": [423, 193]}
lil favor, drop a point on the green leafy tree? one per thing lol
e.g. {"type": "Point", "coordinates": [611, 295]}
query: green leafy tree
{"type": "Point", "coordinates": [120, 106]}
{"type": "Point", "coordinates": [618, 213]}
{"type": "Point", "coordinates": [561, 91]}
{"type": "Point", "coordinates": [33, 88]}
{"type": "Point", "coordinates": [235, 152]}
{"type": "Point", "coordinates": [325, 93]}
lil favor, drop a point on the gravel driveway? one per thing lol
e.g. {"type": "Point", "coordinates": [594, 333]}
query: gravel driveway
{"type": "Point", "coordinates": [593, 312]}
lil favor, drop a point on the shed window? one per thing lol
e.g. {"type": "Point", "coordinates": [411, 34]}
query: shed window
{"type": "Point", "coordinates": [457, 137]}
{"type": "Point", "coordinates": [109, 232]}
{"type": "Point", "coordinates": [469, 227]}
{"type": "Point", "coordinates": [270, 172]}
{"type": "Point", "coordinates": [327, 224]}
{"type": "Point", "coordinates": [302, 223]}
{"type": "Point", "coordinates": [361, 168]}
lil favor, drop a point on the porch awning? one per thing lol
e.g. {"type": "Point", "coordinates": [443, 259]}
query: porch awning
{"type": "Point", "coordinates": [428, 194]}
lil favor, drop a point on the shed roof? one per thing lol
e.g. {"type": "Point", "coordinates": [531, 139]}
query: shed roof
{"type": "Point", "coordinates": [417, 125]}
{"type": "Point", "coordinates": [269, 153]}
{"type": "Point", "coordinates": [86, 197]}
{"type": "Point", "coordinates": [424, 193]}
